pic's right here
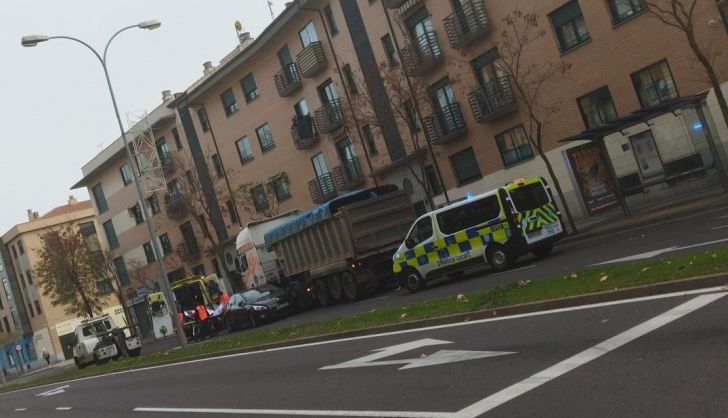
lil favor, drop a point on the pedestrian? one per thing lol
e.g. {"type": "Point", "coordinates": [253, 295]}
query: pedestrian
{"type": "Point", "coordinates": [46, 357]}
{"type": "Point", "coordinates": [202, 319]}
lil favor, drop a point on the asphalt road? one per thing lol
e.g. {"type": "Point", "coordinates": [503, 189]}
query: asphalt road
{"type": "Point", "coordinates": [660, 356]}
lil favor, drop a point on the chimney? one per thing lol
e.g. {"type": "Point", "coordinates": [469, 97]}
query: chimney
{"type": "Point", "coordinates": [208, 68]}
{"type": "Point", "coordinates": [245, 39]}
{"type": "Point", "coordinates": [167, 95]}
{"type": "Point", "coordinates": [72, 200]}
{"type": "Point", "coordinates": [31, 215]}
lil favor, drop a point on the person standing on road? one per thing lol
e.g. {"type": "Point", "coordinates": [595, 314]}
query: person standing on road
{"type": "Point", "coordinates": [202, 319]}
{"type": "Point", "coordinates": [46, 357]}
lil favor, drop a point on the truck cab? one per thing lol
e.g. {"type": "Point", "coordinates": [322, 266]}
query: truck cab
{"type": "Point", "coordinates": [98, 340]}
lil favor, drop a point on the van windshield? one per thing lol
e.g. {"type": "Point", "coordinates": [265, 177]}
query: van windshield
{"type": "Point", "coordinates": [529, 197]}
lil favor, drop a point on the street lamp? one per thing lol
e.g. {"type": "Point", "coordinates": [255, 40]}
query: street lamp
{"type": "Point", "coordinates": [33, 40]}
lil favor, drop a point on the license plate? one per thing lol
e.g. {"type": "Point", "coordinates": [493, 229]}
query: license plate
{"type": "Point", "coordinates": [552, 228]}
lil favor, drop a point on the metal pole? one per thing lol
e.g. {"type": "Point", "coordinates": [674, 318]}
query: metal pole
{"type": "Point", "coordinates": [717, 162]}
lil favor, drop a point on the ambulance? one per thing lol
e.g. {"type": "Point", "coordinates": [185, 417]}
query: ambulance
{"type": "Point", "coordinates": [495, 227]}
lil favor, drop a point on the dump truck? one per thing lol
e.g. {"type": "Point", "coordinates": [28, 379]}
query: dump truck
{"type": "Point", "coordinates": [342, 248]}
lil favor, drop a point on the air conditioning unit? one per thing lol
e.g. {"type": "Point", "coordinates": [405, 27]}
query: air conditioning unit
{"type": "Point", "coordinates": [231, 260]}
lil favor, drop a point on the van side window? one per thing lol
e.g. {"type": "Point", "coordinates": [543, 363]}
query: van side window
{"type": "Point", "coordinates": [470, 215]}
{"type": "Point", "coordinates": [421, 232]}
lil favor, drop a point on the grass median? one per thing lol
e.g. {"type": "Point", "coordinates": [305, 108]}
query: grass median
{"type": "Point", "coordinates": [573, 284]}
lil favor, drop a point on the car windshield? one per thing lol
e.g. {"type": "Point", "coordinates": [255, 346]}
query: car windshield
{"type": "Point", "coordinates": [252, 295]}
{"type": "Point", "coordinates": [529, 197]}
{"type": "Point", "coordinates": [86, 331]}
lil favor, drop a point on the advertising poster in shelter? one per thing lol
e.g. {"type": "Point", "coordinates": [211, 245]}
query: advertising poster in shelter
{"type": "Point", "coordinates": [590, 170]}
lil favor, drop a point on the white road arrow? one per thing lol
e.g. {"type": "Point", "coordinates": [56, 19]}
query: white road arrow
{"type": "Point", "coordinates": [635, 257]}
{"type": "Point", "coordinates": [56, 391]}
{"type": "Point", "coordinates": [439, 357]}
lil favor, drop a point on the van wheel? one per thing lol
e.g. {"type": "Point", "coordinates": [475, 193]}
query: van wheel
{"type": "Point", "coordinates": [80, 365]}
{"type": "Point", "coordinates": [321, 288]}
{"type": "Point", "coordinates": [335, 288]}
{"type": "Point", "coordinates": [543, 250]}
{"type": "Point", "coordinates": [352, 290]}
{"type": "Point", "coordinates": [413, 280]}
{"type": "Point", "coordinates": [499, 258]}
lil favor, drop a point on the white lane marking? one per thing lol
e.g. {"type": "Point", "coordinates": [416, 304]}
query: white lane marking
{"type": "Point", "coordinates": [512, 271]}
{"type": "Point", "coordinates": [386, 334]}
{"type": "Point", "coordinates": [56, 391]}
{"type": "Point", "coordinates": [20, 409]}
{"type": "Point", "coordinates": [63, 408]}
{"type": "Point", "coordinates": [437, 358]}
{"type": "Point", "coordinates": [721, 217]}
{"type": "Point", "coordinates": [655, 253]}
{"type": "Point", "coordinates": [702, 244]}
{"type": "Point", "coordinates": [586, 356]}
{"type": "Point", "coordinates": [305, 412]}
{"type": "Point", "coordinates": [719, 227]}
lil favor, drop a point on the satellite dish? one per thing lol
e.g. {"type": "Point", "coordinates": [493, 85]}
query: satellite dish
{"type": "Point", "coordinates": [238, 26]}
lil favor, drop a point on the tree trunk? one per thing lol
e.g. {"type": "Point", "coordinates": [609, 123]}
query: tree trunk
{"type": "Point", "coordinates": [554, 179]}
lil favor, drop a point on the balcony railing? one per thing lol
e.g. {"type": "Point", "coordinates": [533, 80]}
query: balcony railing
{"type": "Point", "coordinates": [467, 24]}
{"type": "Point", "coordinates": [393, 4]}
{"type": "Point", "coordinates": [312, 59]}
{"type": "Point", "coordinates": [329, 117]}
{"type": "Point", "coordinates": [492, 100]}
{"type": "Point", "coordinates": [165, 160]}
{"type": "Point", "coordinates": [422, 55]}
{"type": "Point", "coordinates": [348, 175]}
{"type": "Point", "coordinates": [303, 132]}
{"type": "Point", "coordinates": [174, 206]}
{"type": "Point", "coordinates": [445, 125]}
{"type": "Point", "coordinates": [287, 80]}
{"type": "Point", "coordinates": [189, 251]}
{"type": "Point", "coordinates": [322, 188]}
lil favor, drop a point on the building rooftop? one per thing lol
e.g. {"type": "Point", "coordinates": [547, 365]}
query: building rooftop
{"type": "Point", "coordinates": [68, 208]}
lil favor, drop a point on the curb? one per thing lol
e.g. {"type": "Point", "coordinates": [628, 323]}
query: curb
{"type": "Point", "coordinates": [587, 299]}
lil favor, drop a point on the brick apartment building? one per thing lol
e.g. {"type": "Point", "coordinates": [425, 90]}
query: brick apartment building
{"type": "Point", "coordinates": [272, 128]}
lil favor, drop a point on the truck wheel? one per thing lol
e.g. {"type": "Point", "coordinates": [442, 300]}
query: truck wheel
{"type": "Point", "coordinates": [499, 258]}
{"type": "Point", "coordinates": [352, 290]}
{"type": "Point", "coordinates": [543, 250]}
{"type": "Point", "coordinates": [99, 361]}
{"type": "Point", "coordinates": [135, 352]}
{"type": "Point", "coordinates": [80, 365]}
{"type": "Point", "coordinates": [413, 280]}
{"type": "Point", "coordinates": [335, 288]}
{"type": "Point", "coordinates": [321, 288]}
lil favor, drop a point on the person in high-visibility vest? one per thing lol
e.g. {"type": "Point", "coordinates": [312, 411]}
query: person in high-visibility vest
{"type": "Point", "coordinates": [202, 317]}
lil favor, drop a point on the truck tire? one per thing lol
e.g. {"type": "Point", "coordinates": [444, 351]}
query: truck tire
{"type": "Point", "coordinates": [135, 352]}
{"type": "Point", "coordinates": [413, 280]}
{"type": "Point", "coordinates": [79, 364]}
{"type": "Point", "coordinates": [352, 290]}
{"type": "Point", "coordinates": [499, 257]}
{"type": "Point", "coordinates": [321, 289]}
{"type": "Point", "coordinates": [335, 288]}
{"type": "Point", "coordinates": [543, 250]}
{"type": "Point", "coordinates": [99, 361]}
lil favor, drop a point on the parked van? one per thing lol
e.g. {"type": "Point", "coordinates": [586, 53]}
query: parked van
{"type": "Point", "coordinates": [495, 227]}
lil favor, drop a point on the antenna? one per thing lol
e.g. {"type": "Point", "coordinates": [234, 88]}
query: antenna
{"type": "Point", "coordinates": [270, 7]}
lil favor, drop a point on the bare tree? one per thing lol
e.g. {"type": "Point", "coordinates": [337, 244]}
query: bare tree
{"type": "Point", "coordinates": [102, 262]}
{"type": "Point", "coordinates": [680, 15]}
{"type": "Point", "coordinates": [261, 200]}
{"type": "Point", "coordinates": [530, 79]}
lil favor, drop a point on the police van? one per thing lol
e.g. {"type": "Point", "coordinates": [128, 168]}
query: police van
{"type": "Point", "coordinates": [495, 227]}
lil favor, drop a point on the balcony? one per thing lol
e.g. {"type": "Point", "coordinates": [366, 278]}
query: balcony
{"type": "Point", "coordinates": [329, 117]}
{"type": "Point", "coordinates": [165, 160]}
{"type": "Point", "coordinates": [287, 80]}
{"type": "Point", "coordinates": [322, 188]}
{"type": "Point", "coordinates": [445, 125]}
{"type": "Point", "coordinates": [311, 60]}
{"type": "Point", "coordinates": [303, 132]}
{"type": "Point", "coordinates": [393, 4]}
{"type": "Point", "coordinates": [422, 55]}
{"type": "Point", "coordinates": [348, 175]}
{"type": "Point", "coordinates": [188, 252]}
{"type": "Point", "coordinates": [174, 206]}
{"type": "Point", "coordinates": [467, 24]}
{"type": "Point", "coordinates": [493, 100]}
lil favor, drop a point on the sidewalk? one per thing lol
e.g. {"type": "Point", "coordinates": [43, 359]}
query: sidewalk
{"type": "Point", "coordinates": [615, 221]}
{"type": "Point", "coordinates": [32, 374]}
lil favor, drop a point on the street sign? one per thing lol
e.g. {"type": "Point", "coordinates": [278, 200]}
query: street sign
{"type": "Point", "coordinates": [439, 357]}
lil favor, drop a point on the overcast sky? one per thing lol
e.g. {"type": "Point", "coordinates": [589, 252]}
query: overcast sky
{"type": "Point", "coordinates": [55, 108]}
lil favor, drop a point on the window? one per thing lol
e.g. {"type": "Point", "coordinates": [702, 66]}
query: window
{"type": "Point", "coordinates": [190, 241]}
{"type": "Point", "coordinates": [30, 309]}
{"type": "Point", "coordinates": [654, 84]}
{"type": "Point", "coordinates": [121, 272]}
{"type": "Point", "coordinates": [410, 114]}
{"type": "Point", "coordinates": [174, 187]}
{"type": "Point", "coordinates": [190, 179]}
{"type": "Point", "coordinates": [110, 232]}
{"type": "Point", "coordinates": [228, 102]}
{"type": "Point", "coordinates": [216, 266]}
{"type": "Point", "coordinates": [7, 324]}
{"type": "Point", "coordinates": [260, 199]}
{"type": "Point", "coordinates": [469, 215]}
{"type": "Point", "coordinates": [204, 123]}
{"type": "Point", "coordinates": [103, 287]}
{"type": "Point", "coordinates": [308, 35]}
{"type": "Point", "coordinates": [166, 244]}
{"type": "Point", "coordinates": [153, 204]}
{"type": "Point", "coordinates": [99, 197]}
{"type": "Point", "coordinates": [29, 277]}
{"type": "Point", "coordinates": [597, 108]}
{"type": "Point", "coordinates": [529, 197]}
{"type": "Point", "coordinates": [329, 15]}
{"type": "Point", "coordinates": [126, 176]}
{"type": "Point", "coordinates": [569, 25]}
{"type": "Point", "coordinates": [280, 185]}
{"type": "Point", "coordinates": [349, 77]}
{"type": "Point", "coordinates": [203, 225]}
{"type": "Point", "coordinates": [369, 139]}
{"type": "Point", "coordinates": [624, 9]}
{"type": "Point", "coordinates": [199, 270]}
{"type": "Point", "coordinates": [22, 280]}
{"type": "Point", "coordinates": [421, 232]}
{"type": "Point", "coordinates": [163, 151]}
{"type": "Point", "coordinates": [217, 163]}
{"type": "Point", "coordinates": [20, 247]}
{"type": "Point", "coordinates": [87, 229]}
{"type": "Point", "coordinates": [231, 210]}
{"type": "Point", "coordinates": [432, 180]}
{"type": "Point", "coordinates": [177, 140]}
{"type": "Point", "coordinates": [250, 89]}
{"type": "Point", "coordinates": [465, 166]}
{"type": "Point", "coordinates": [265, 137]}
{"type": "Point", "coordinates": [136, 213]}
{"type": "Point", "coordinates": [149, 252]}
{"type": "Point", "coordinates": [244, 151]}
{"type": "Point", "coordinates": [514, 146]}
{"type": "Point", "coordinates": [390, 51]}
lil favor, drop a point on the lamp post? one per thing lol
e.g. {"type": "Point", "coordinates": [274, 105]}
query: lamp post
{"type": "Point", "coordinates": [33, 40]}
